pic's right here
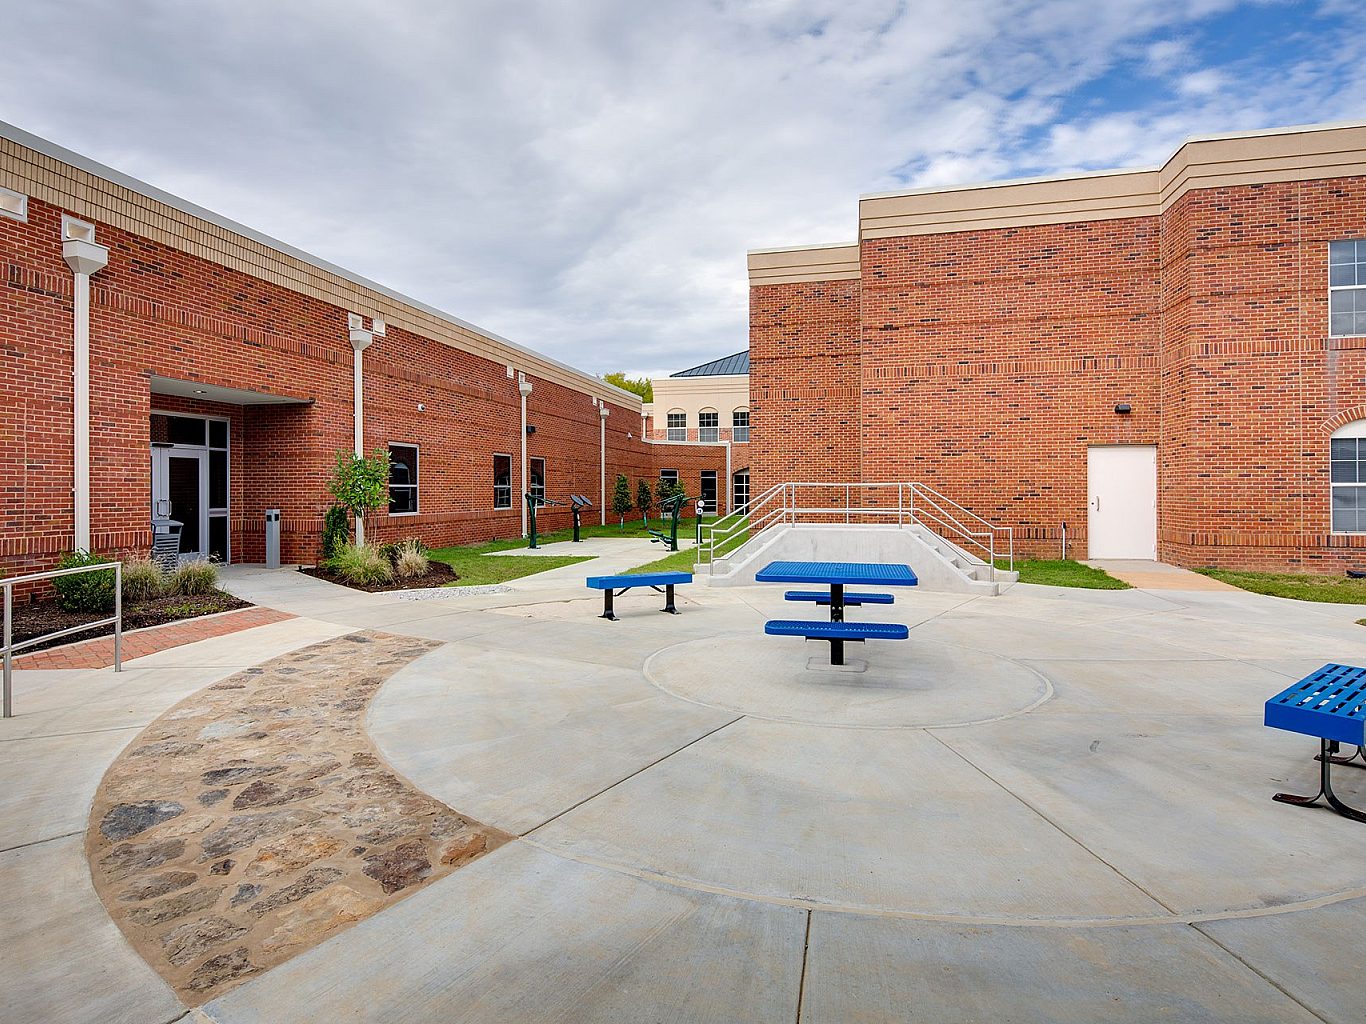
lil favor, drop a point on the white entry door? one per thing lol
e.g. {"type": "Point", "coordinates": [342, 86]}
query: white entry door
{"type": "Point", "coordinates": [1121, 485]}
{"type": "Point", "coordinates": [180, 490]}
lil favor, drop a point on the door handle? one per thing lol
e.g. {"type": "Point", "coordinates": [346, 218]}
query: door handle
{"type": "Point", "coordinates": [1095, 503]}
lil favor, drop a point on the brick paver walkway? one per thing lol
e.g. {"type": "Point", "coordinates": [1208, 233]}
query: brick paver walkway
{"type": "Point", "coordinates": [99, 652]}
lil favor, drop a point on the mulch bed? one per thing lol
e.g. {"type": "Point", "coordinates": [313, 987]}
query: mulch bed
{"type": "Point", "coordinates": [438, 575]}
{"type": "Point", "coordinates": [32, 620]}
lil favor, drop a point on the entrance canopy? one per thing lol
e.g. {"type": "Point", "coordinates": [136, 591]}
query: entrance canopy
{"type": "Point", "coordinates": [215, 393]}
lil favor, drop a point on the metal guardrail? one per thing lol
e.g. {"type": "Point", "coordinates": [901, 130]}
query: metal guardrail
{"type": "Point", "coordinates": [915, 503]}
{"type": "Point", "coordinates": [9, 648]}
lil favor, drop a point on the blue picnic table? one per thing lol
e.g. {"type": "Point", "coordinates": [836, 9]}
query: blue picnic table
{"type": "Point", "coordinates": [837, 576]}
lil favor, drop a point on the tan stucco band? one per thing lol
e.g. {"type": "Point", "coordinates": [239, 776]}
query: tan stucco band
{"type": "Point", "coordinates": [1289, 154]}
{"type": "Point", "coordinates": [836, 262]}
{"type": "Point", "coordinates": [51, 174]}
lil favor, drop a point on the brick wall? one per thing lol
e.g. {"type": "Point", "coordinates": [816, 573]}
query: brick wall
{"type": "Point", "coordinates": [159, 311]}
{"type": "Point", "coordinates": [985, 363]}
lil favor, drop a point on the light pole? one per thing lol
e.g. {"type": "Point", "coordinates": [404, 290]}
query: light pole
{"type": "Point", "coordinates": [361, 339]}
{"type": "Point", "coordinates": [603, 413]}
{"type": "Point", "coordinates": [524, 389]}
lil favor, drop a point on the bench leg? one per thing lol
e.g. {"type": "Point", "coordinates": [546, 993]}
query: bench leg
{"type": "Point", "coordinates": [607, 612]}
{"type": "Point", "coordinates": [669, 600]}
{"type": "Point", "coordinates": [1326, 762]}
{"type": "Point", "coordinates": [1361, 753]}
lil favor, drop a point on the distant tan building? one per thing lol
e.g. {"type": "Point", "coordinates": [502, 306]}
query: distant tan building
{"type": "Point", "coordinates": [707, 404]}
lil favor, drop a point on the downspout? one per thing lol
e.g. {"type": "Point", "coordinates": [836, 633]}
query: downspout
{"type": "Point", "coordinates": [84, 258]}
{"type": "Point", "coordinates": [729, 484]}
{"type": "Point", "coordinates": [603, 413]}
{"type": "Point", "coordinates": [524, 389]}
{"type": "Point", "coordinates": [360, 340]}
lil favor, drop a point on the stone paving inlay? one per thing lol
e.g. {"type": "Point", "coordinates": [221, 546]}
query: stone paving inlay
{"type": "Point", "coordinates": [255, 819]}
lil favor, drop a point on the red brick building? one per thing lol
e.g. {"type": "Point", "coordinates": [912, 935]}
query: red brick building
{"type": "Point", "coordinates": [157, 359]}
{"type": "Point", "coordinates": [1146, 356]}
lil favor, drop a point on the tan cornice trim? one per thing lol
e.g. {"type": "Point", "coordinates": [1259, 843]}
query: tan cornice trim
{"type": "Point", "coordinates": [1222, 161]}
{"type": "Point", "coordinates": [795, 264]}
{"type": "Point", "coordinates": [57, 176]}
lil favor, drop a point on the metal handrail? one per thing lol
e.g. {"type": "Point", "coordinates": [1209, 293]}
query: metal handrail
{"type": "Point", "coordinates": [915, 503]}
{"type": "Point", "coordinates": [8, 647]}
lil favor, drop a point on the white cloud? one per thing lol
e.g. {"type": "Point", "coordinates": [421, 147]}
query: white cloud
{"type": "Point", "coordinates": [585, 178]}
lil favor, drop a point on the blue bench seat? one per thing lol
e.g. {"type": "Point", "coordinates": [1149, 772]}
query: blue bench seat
{"type": "Point", "coordinates": [1330, 704]}
{"type": "Point", "coordinates": [615, 586]}
{"type": "Point", "coordinates": [836, 633]}
{"type": "Point", "coordinates": [851, 599]}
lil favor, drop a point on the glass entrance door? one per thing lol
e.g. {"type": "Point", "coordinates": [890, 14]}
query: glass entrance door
{"type": "Point", "coordinates": [180, 492]}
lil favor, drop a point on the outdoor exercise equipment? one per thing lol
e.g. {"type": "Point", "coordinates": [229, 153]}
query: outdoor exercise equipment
{"type": "Point", "coordinates": [577, 503]}
{"type": "Point", "coordinates": [533, 502]}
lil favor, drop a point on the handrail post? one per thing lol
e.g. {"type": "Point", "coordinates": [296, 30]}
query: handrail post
{"type": "Point", "coordinates": [118, 616]}
{"type": "Point", "coordinates": [8, 710]}
{"type": "Point", "coordinates": [846, 504]}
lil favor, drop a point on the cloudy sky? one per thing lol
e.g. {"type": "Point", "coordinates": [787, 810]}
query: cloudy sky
{"type": "Point", "coordinates": [584, 176]}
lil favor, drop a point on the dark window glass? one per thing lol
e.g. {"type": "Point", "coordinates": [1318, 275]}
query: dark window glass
{"type": "Point", "coordinates": [218, 479]}
{"type": "Point", "coordinates": [502, 481]}
{"type": "Point", "coordinates": [740, 490]}
{"type": "Point", "coordinates": [708, 492]}
{"type": "Point", "coordinates": [1347, 466]}
{"type": "Point", "coordinates": [218, 433]}
{"type": "Point", "coordinates": [185, 430]}
{"type": "Point", "coordinates": [402, 479]}
{"type": "Point", "coordinates": [537, 482]}
{"type": "Point", "coordinates": [218, 538]}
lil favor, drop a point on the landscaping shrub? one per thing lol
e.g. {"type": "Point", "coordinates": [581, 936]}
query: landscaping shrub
{"type": "Point", "coordinates": [142, 579]}
{"type": "Point", "coordinates": [85, 591]}
{"type": "Point", "coordinates": [193, 578]}
{"type": "Point", "coordinates": [336, 530]}
{"type": "Point", "coordinates": [410, 559]}
{"type": "Point", "coordinates": [362, 564]}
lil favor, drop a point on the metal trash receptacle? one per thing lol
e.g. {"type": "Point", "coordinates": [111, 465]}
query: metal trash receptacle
{"type": "Point", "coordinates": [272, 538]}
{"type": "Point", "coordinates": [166, 543]}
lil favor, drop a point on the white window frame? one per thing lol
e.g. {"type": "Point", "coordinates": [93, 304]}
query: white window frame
{"type": "Point", "coordinates": [736, 505]}
{"type": "Point", "coordinates": [416, 485]}
{"type": "Point", "coordinates": [709, 434]}
{"type": "Point", "coordinates": [1359, 287]}
{"type": "Point", "coordinates": [223, 512]}
{"type": "Point", "coordinates": [736, 428]}
{"type": "Point", "coordinates": [673, 433]}
{"type": "Point", "coordinates": [496, 485]}
{"type": "Point", "coordinates": [1355, 429]}
{"type": "Point", "coordinates": [13, 205]}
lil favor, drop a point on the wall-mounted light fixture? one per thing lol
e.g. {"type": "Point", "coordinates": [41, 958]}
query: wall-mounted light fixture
{"type": "Point", "coordinates": [1123, 408]}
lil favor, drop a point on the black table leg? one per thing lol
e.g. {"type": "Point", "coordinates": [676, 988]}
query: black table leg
{"type": "Point", "coordinates": [607, 612]}
{"type": "Point", "coordinates": [669, 599]}
{"type": "Point", "coordinates": [1325, 759]}
{"type": "Point", "coordinates": [837, 652]}
{"type": "Point", "coordinates": [837, 605]}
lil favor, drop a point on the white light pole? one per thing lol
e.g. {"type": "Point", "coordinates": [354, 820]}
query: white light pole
{"type": "Point", "coordinates": [603, 413]}
{"type": "Point", "coordinates": [361, 339]}
{"type": "Point", "coordinates": [524, 389]}
{"type": "Point", "coordinates": [84, 257]}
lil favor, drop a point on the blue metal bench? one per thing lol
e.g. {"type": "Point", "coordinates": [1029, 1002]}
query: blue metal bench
{"type": "Point", "coordinates": [837, 633]}
{"type": "Point", "coordinates": [851, 599]}
{"type": "Point", "coordinates": [654, 580]}
{"type": "Point", "coordinates": [1329, 704]}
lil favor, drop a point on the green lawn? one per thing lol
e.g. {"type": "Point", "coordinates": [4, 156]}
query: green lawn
{"type": "Point", "coordinates": [675, 561]}
{"type": "Point", "coordinates": [477, 567]}
{"type": "Point", "coordinates": [1058, 572]}
{"type": "Point", "coordinates": [1297, 586]}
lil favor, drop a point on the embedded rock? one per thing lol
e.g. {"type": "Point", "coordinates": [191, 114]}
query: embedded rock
{"type": "Point", "coordinates": [175, 907]}
{"type": "Point", "coordinates": [293, 852]}
{"type": "Point", "coordinates": [131, 858]}
{"type": "Point", "coordinates": [192, 940]}
{"type": "Point", "coordinates": [400, 867]}
{"type": "Point", "coordinates": [311, 882]}
{"type": "Point", "coordinates": [123, 821]}
{"type": "Point", "coordinates": [219, 969]}
{"type": "Point", "coordinates": [158, 885]}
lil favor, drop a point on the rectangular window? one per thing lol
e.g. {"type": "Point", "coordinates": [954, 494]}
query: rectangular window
{"type": "Point", "coordinates": [1348, 475]}
{"type": "Point", "coordinates": [1347, 289]}
{"type": "Point", "coordinates": [402, 479]}
{"type": "Point", "coordinates": [677, 426]}
{"type": "Point", "coordinates": [739, 489]}
{"type": "Point", "coordinates": [708, 491]}
{"type": "Point", "coordinates": [669, 476]}
{"type": "Point", "coordinates": [537, 482]}
{"type": "Point", "coordinates": [739, 425]}
{"type": "Point", "coordinates": [13, 204]}
{"type": "Point", "coordinates": [709, 427]}
{"type": "Point", "coordinates": [502, 481]}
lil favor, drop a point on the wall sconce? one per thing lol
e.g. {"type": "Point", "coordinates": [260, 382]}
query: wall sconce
{"type": "Point", "coordinates": [1123, 408]}
{"type": "Point", "coordinates": [530, 429]}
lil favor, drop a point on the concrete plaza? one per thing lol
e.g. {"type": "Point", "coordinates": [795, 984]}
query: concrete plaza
{"type": "Point", "coordinates": [1051, 805]}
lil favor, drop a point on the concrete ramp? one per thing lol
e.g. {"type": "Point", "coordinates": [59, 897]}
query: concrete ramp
{"type": "Point", "coordinates": [939, 564]}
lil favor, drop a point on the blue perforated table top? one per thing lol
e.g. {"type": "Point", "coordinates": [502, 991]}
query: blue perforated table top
{"type": "Point", "coordinates": [1329, 703]}
{"type": "Point", "coordinates": [874, 574]}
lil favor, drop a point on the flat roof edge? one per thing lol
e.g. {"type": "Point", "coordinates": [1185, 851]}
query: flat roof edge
{"type": "Point", "coordinates": [57, 152]}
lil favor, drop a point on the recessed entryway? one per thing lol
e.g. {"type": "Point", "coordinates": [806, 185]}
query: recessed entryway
{"type": "Point", "coordinates": [1121, 501]}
